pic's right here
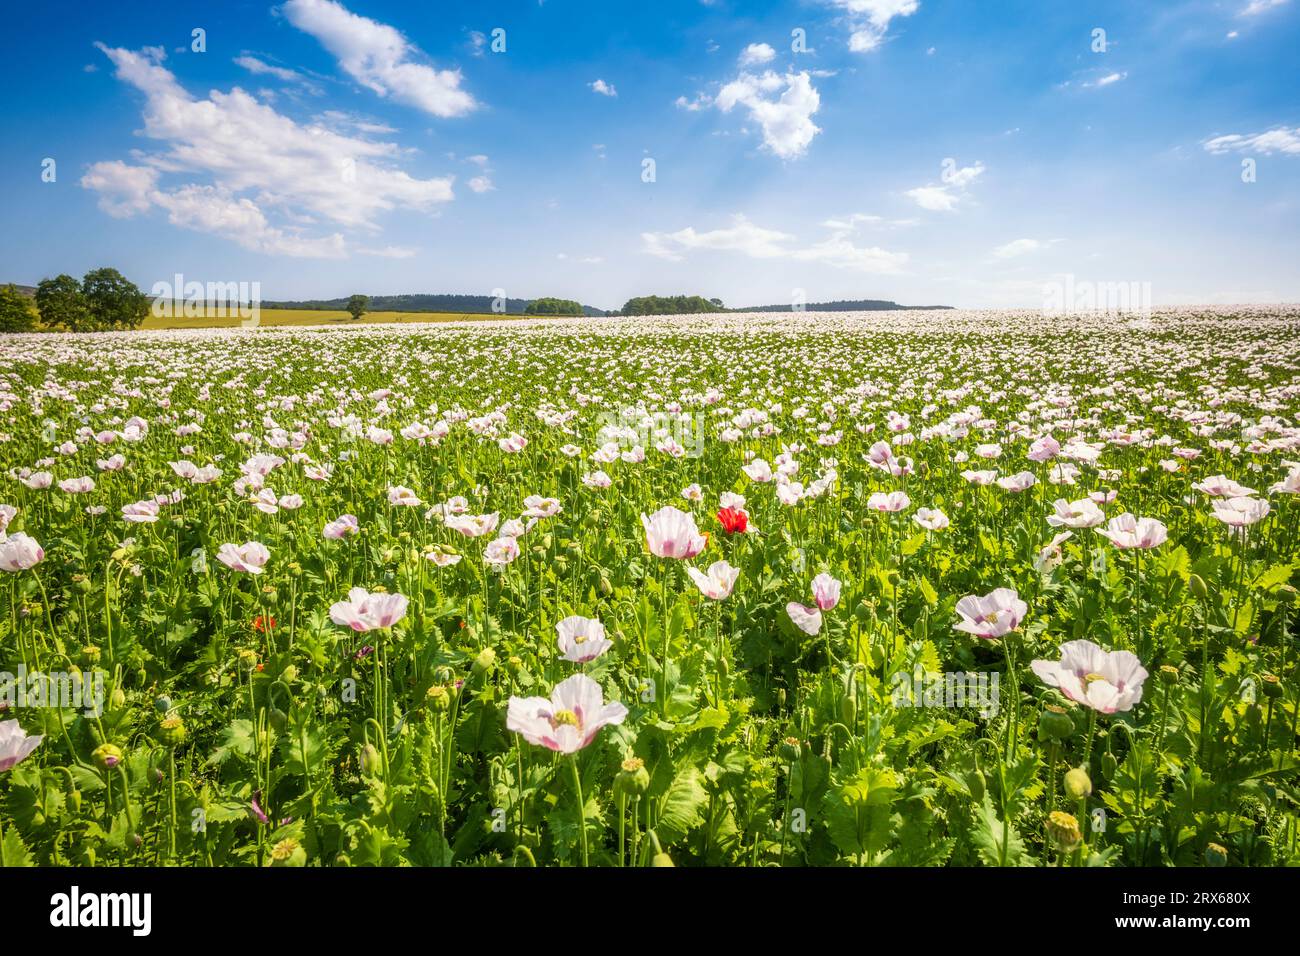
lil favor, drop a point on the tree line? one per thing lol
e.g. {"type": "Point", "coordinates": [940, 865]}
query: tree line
{"type": "Point", "coordinates": [102, 300]}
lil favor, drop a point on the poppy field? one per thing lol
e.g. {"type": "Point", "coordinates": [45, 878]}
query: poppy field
{"type": "Point", "coordinates": [842, 589]}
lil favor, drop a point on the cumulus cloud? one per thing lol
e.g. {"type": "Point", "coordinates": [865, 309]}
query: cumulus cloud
{"type": "Point", "coordinates": [756, 242]}
{"type": "Point", "coordinates": [1279, 140]}
{"type": "Point", "coordinates": [869, 20]}
{"type": "Point", "coordinates": [481, 184]}
{"type": "Point", "coordinates": [948, 196]}
{"type": "Point", "coordinates": [378, 57]}
{"type": "Point", "coordinates": [604, 89]}
{"type": "Point", "coordinates": [756, 54]}
{"type": "Point", "coordinates": [256, 161]}
{"type": "Point", "coordinates": [1018, 247]}
{"type": "Point", "coordinates": [782, 106]}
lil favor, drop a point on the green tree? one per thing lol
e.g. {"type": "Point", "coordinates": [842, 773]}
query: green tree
{"type": "Point", "coordinates": [15, 311]}
{"type": "Point", "coordinates": [113, 300]}
{"type": "Point", "coordinates": [357, 305]}
{"type": "Point", "coordinates": [551, 306]}
{"type": "Point", "coordinates": [62, 305]}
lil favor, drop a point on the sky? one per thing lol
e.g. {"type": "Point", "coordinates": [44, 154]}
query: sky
{"type": "Point", "coordinates": [761, 152]}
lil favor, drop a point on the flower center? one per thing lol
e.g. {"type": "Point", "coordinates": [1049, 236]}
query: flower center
{"type": "Point", "coordinates": [564, 717]}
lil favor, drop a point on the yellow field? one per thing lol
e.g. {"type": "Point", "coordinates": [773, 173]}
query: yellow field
{"type": "Point", "coordinates": [271, 317]}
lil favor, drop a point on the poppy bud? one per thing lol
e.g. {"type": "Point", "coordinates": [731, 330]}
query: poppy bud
{"type": "Point", "coordinates": [1054, 723]}
{"type": "Point", "coordinates": [606, 588]}
{"type": "Point", "coordinates": [162, 704]}
{"type": "Point", "coordinates": [371, 762]}
{"type": "Point", "coordinates": [1196, 584]}
{"type": "Point", "coordinates": [848, 711]}
{"type": "Point", "coordinates": [107, 756]}
{"type": "Point", "coordinates": [1063, 829]}
{"type": "Point", "coordinates": [1078, 784]}
{"type": "Point", "coordinates": [279, 720]}
{"type": "Point", "coordinates": [485, 661]}
{"type": "Point", "coordinates": [289, 674]}
{"type": "Point", "coordinates": [662, 859]}
{"type": "Point", "coordinates": [1108, 764]}
{"type": "Point", "coordinates": [117, 698]}
{"type": "Point", "coordinates": [1215, 855]}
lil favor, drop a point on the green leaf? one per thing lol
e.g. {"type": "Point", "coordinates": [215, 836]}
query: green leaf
{"type": "Point", "coordinates": [681, 809]}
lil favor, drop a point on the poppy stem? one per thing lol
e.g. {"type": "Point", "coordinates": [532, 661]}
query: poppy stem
{"type": "Point", "coordinates": [582, 808]}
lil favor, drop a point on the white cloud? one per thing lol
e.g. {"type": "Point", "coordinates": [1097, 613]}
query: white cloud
{"type": "Point", "coordinates": [756, 242]}
{"type": "Point", "coordinates": [379, 58]}
{"type": "Point", "coordinates": [258, 161]}
{"type": "Point", "coordinates": [481, 184]}
{"type": "Point", "coordinates": [869, 20]}
{"type": "Point", "coordinates": [1018, 247]}
{"type": "Point", "coordinates": [390, 252]}
{"type": "Point", "coordinates": [1107, 80]}
{"type": "Point", "coordinates": [123, 190]}
{"type": "Point", "coordinates": [934, 198]}
{"type": "Point", "coordinates": [785, 119]}
{"type": "Point", "coordinates": [756, 54]}
{"type": "Point", "coordinates": [1256, 7]}
{"type": "Point", "coordinates": [1279, 140]}
{"type": "Point", "coordinates": [603, 88]}
{"type": "Point", "coordinates": [947, 197]}
{"type": "Point", "coordinates": [259, 68]}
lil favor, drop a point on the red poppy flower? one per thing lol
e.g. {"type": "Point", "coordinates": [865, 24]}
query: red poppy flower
{"type": "Point", "coordinates": [263, 623]}
{"type": "Point", "coordinates": [733, 520]}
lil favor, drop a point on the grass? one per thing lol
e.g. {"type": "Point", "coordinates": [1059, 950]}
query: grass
{"type": "Point", "coordinates": [278, 317]}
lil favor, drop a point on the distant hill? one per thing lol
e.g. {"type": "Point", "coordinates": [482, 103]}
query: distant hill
{"type": "Point", "coordinates": [420, 302]}
{"type": "Point", "coordinates": [27, 290]}
{"type": "Point", "coordinates": [851, 305]}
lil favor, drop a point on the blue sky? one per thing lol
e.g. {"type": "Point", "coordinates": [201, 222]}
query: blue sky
{"type": "Point", "coordinates": [927, 151]}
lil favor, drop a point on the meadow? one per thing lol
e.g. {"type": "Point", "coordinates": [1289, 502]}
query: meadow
{"type": "Point", "coordinates": [310, 317]}
{"type": "Point", "coordinates": [841, 589]}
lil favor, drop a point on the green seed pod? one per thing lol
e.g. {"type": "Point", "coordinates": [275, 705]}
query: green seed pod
{"type": "Point", "coordinates": [1270, 686]}
{"type": "Point", "coordinates": [633, 779]}
{"type": "Point", "coordinates": [288, 852]}
{"type": "Point", "coordinates": [439, 699]}
{"type": "Point", "coordinates": [1215, 855]}
{"type": "Point", "coordinates": [1078, 784]}
{"type": "Point", "coordinates": [1054, 723]}
{"type": "Point", "coordinates": [163, 704]}
{"type": "Point", "coordinates": [172, 731]}
{"type": "Point", "coordinates": [790, 749]}
{"type": "Point", "coordinates": [91, 654]}
{"type": "Point", "coordinates": [1169, 674]}
{"type": "Point", "coordinates": [514, 665]}
{"type": "Point", "coordinates": [1063, 829]}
